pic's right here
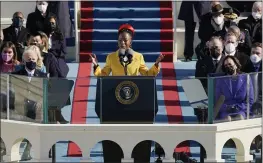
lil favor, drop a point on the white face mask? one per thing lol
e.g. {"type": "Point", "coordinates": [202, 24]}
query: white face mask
{"type": "Point", "coordinates": [42, 8]}
{"type": "Point", "coordinates": [230, 48]}
{"type": "Point", "coordinates": [255, 58]}
{"type": "Point", "coordinates": [256, 15]}
{"type": "Point", "coordinates": [218, 20]}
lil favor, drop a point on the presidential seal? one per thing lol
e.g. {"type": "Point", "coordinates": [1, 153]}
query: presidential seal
{"type": "Point", "coordinates": [127, 92]}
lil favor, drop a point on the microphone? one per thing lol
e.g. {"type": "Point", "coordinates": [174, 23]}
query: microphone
{"type": "Point", "coordinates": [218, 105]}
{"type": "Point", "coordinates": [121, 56]}
{"type": "Point", "coordinates": [129, 53]}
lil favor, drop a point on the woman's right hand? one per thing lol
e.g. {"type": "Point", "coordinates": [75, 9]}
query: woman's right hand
{"type": "Point", "coordinates": [93, 59]}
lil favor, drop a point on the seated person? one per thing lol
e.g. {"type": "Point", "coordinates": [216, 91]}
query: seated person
{"type": "Point", "coordinates": [212, 24]}
{"type": "Point", "coordinates": [38, 64]}
{"type": "Point", "coordinates": [17, 34]}
{"type": "Point", "coordinates": [256, 57]}
{"type": "Point", "coordinates": [231, 44]}
{"type": "Point", "coordinates": [8, 60]}
{"type": "Point", "coordinates": [57, 45]}
{"type": "Point", "coordinates": [36, 20]}
{"type": "Point", "coordinates": [32, 60]}
{"type": "Point", "coordinates": [234, 88]}
{"type": "Point", "coordinates": [41, 40]}
{"type": "Point", "coordinates": [253, 24]}
{"type": "Point", "coordinates": [244, 41]}
{"type": "Point", "coordinates": [210, 63]}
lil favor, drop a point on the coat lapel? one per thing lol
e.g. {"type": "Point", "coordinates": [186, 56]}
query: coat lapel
{"type": "Point", "coordinates": [219, 66]}
{"type": "Point", "coordinates": [241, 81]}
{"type": "Point", "coordinates": [227, 81]}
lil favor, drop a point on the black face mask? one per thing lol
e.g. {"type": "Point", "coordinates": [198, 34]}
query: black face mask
{"type": "Point", "coordinates": [51, 27]}
{"type": "Point", "coordinates": [17, 22]}
{"type": "Point", "coordinates": [214, 53]}
{"type": "Point", "coordinates": [31, 65]}
{"type": "Point", "coordinates": [230, 70]}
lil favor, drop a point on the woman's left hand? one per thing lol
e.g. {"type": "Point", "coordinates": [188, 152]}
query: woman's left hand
{"type": "Point", "coordinates": [159, 59]}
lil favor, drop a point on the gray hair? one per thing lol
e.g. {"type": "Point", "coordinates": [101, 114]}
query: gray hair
{"type": "Point", "coordinates": [257, 4]}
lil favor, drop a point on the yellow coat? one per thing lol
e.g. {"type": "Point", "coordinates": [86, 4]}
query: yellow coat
{"type": "Point", "coordinates": [134, 69]}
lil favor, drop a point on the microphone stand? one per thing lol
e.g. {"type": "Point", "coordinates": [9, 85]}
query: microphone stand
{"type": "Point", "coordinates": [125, 69]}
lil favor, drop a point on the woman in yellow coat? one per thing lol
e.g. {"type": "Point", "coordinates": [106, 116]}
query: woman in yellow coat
{"type": "Point", "coordinates": [115, 64]}
{"type": "Point", "coordinates": [137, 65]}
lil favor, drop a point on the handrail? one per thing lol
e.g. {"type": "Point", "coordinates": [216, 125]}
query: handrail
{"type": "Point", "coordinates": [174, 31]}
{"type": "Point", "coordinates": [76, 10]}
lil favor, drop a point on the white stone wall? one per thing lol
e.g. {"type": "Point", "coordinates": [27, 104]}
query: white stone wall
{"type": "Point", "coordinates": [211, 137]}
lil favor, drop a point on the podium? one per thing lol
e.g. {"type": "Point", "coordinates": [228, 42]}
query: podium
{"type": "Point", "coordinates": [126, 99]}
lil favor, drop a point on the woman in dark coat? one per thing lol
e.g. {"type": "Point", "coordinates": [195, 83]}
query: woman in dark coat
{"type": "Point", "coordinates": [61, 10]}
{"type": "Point", "coordinates": [57, 45]}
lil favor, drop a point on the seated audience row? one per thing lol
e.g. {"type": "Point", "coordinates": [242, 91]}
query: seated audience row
{"type": "Point", "coordinates": [220, 20]}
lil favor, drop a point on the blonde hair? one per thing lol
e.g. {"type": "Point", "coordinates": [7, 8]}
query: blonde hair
{"type": "Point", "coordinates": [44, 39]}
{"type": "Point", "coordinates": [34, 49]}
{"type": "Point", "coordinates": [234, 29]}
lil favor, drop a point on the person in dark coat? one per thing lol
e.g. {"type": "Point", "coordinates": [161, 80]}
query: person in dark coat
{"type": "Point", "coordinates": [230, 45]}
{"type": "Point", "coordinates": [256, 56]}
{"type": "Point", "coordinates": [41, 40]}
{"type": "Point", "coordinates": [57, 45]}
{"type": "Point", "coordinates": [253, 24]}
{"type": "Point", "coordinates": [234, 88]}
{"type": "Point", "coordinates": [62, 11]}
{"type": "Point", "coordinates": [17, 34]}
{"type": "Point", "coordinates": [36, 21]}
{"type": "Point", "coordinates": [212, 24]}
{"type": "Point", "coordinates": [190, 13]}
{"type": "Point", "coordinates": [244, 6]}
{"type": "Point", "coordinates": [256, 59]}
{"type": "Point", "coordinates": [244, 41]}
{"type": "Point", "coordinates": [211, 63]}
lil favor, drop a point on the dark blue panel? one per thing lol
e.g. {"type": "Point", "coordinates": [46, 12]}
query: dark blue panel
{"type": "Point", "coordinates": [111, 35]}
{"type": "Point", "coordinates": [137, 24]}
{"type": "Point", "coordinates": [119, 4]}
{"type": "Point", "coordinates": [71, 41]}
{"type": "Point", "coordinates": [126, 13]}
{"type": "Point", "coordinates": [112, 45]}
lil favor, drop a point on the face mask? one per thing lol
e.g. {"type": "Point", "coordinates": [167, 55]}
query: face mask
{"type": "Point", "coordinates": [31, 65]}
{"type": "Point", "coordinates": [42, 8]}
{"type": "Point", "coordinates": [52, 27]}
{"type": "Point", "coordinates": [255, 58]}
{"type": "Point", "coordinates": [230, 47]}
{"type": "Point", "coordinates": [256, 15]}
{"type": "Point", "coordinates": [6, 58]}
{"type": "Point", "coordinates": [40, 46]}
{"type": "Point", "coordinates": [17, 23]}
{"type": "Point", "coordinates": [230, 70]}
{"type": "Point", "coordinates": [218, 20]}
{"type": "Point", "coordinates": [214, 53]}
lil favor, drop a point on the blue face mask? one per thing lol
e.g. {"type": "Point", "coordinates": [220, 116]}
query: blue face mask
{"type": "Point", "coordinates": [31, 65]}
{"type": "Point", "coordinates": [17, 22]}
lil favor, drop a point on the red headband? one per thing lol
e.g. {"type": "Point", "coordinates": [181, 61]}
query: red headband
{"type": "Point", "coordinates": [127, 27]}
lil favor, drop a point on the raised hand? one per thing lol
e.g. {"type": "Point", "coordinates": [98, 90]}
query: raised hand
{"type": "Point", "coordinates": [93, 59]}
{"type": "Point", "coordinates": [159, 59]}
